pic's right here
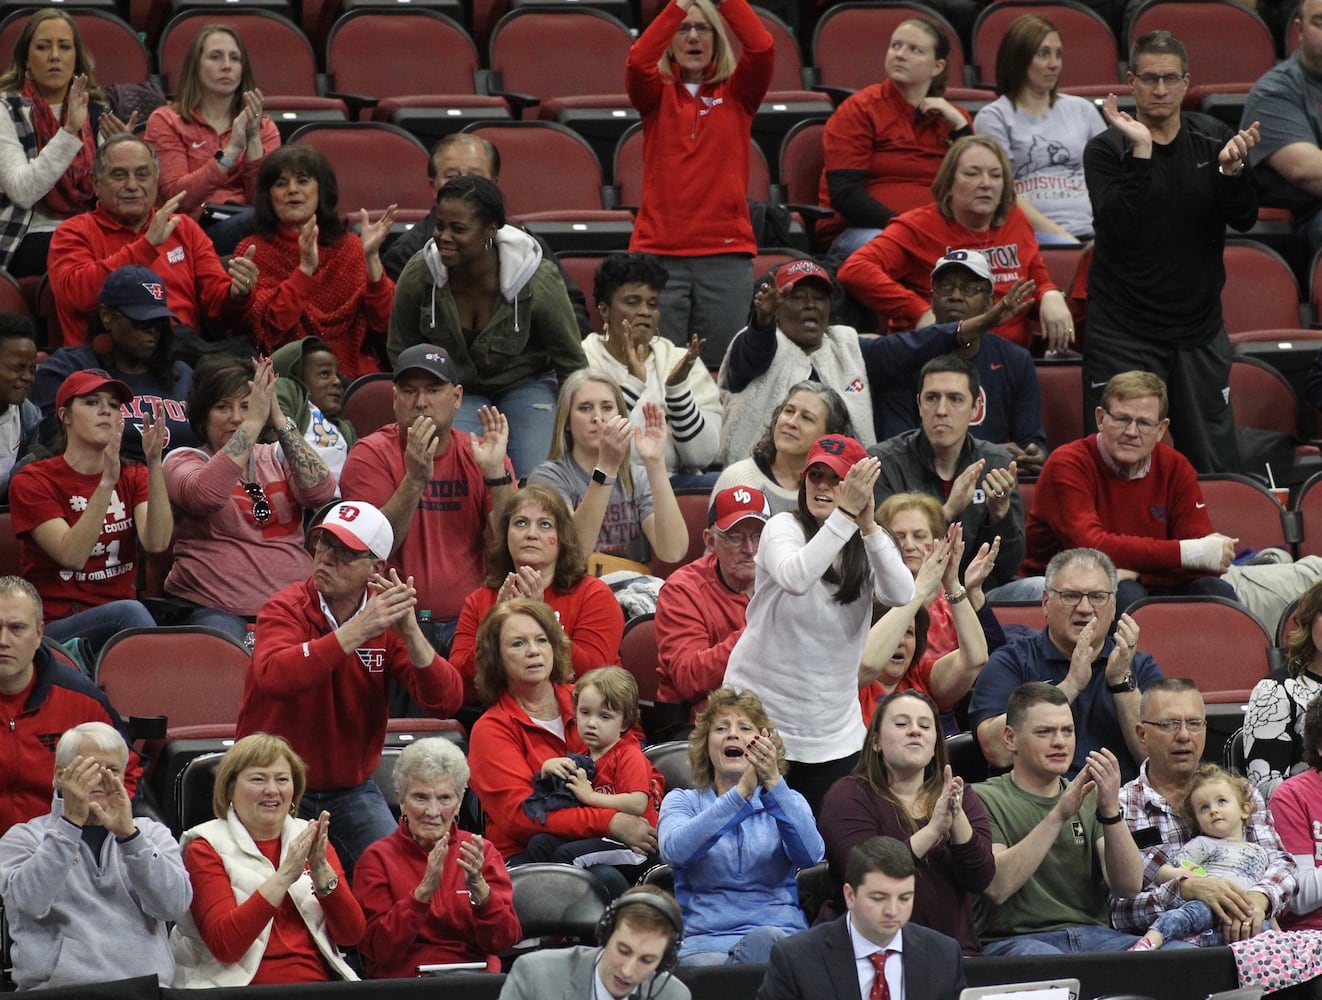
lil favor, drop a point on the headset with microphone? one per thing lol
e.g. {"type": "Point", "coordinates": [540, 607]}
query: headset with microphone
{"type": "Point", "coordinates": [666, 906]}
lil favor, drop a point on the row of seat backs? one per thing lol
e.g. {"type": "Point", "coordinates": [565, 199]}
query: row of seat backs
{"type": "Point", "coordinates": [857, 32]}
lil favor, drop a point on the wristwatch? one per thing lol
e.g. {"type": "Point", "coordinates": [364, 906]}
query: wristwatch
{"type": "Point", "coordinates": [332, 884]}
{"type": "Point", "coordinates": [1127, 683]}
{"type": "Point", "coordinates": [504, 480]}
{"type": "Point", "coordinates": [600, 477]}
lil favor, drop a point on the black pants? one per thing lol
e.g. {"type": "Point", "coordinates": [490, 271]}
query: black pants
{"type": "Point", "coordinates": [813, 781]}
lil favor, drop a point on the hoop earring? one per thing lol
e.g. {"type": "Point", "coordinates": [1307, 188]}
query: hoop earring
{"type": "Point", "coordinates": [490, 242]}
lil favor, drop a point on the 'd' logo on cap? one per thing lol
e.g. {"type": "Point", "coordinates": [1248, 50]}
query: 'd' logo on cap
{"type": "Point", "coordinates": [155, 290]}
{"type": "Point", "coordinates": [960, 256]}
{"type": "Point", "coordinates": [832, 445]}
{"type": "Point", "coordinates": [347, 512]}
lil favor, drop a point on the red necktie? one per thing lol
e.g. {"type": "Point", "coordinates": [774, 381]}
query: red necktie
{"type": "Point", "coordinates": [880, 988]}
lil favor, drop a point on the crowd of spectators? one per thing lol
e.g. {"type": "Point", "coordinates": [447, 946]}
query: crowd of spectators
{"type": "Point", "coordinates": [865, 519]}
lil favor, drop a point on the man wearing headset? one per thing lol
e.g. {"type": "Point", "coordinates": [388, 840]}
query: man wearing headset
{"type": "Point", "coordinates": [639, 937]}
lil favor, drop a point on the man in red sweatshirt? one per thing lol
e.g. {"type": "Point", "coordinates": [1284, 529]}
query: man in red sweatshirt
{"type": "Point", "coordinates": [324, 653]}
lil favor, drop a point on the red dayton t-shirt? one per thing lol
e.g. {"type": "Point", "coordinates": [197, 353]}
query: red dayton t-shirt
{"type": "Point", "coordinates": [51, 489]}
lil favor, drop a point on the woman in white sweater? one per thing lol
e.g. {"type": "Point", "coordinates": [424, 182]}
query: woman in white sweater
{"type": "Point", "coordinates": [627, 289]}
{"type": "Point", "coordinates": [818, 570]}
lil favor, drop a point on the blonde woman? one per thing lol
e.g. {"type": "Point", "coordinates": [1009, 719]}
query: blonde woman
{"type": "Point", "coordinates": [697, 103]}
{"type": "Point", "coordinates": [623, 509]}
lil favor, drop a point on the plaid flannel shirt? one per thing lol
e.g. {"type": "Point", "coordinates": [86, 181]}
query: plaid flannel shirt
{"type": "Point", "coordinates": [1143, 807]}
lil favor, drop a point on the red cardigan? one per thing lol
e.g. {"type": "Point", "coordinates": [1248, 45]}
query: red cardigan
{"type": "Point", "coordinates": [403, 933]}
{"type": "Point", "coordinates": [695, 149]}
{"type": "Point", "coordinates": [337, 303]}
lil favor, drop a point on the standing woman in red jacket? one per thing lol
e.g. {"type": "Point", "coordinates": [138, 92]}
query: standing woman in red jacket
{"type": "Point", "coordinates": [697, 102]}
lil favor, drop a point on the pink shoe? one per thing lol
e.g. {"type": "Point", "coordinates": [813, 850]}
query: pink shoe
{"type": "Point", "coordinates": [1142, 944]}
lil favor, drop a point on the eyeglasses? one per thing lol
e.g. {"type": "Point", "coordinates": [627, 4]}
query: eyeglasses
{"type": "Point", "coordinates": [261, 507]}
{"type": "Point", "coordinates": [1152, 79]}
{"type": "Point", "coordinates": [339, 553]}
{"type": "Point", "coordinates": [739, 538]}
{"type": "Point", "coordinates": [683, 30]}
{"type": "Point", "coordinates": [1172, 726]}
{"type": "Point", "coordinates": [967, 286]}
{"type": "Point", "coordinates": [1141, 424]}
{"type": "Point", "coordinates": [1071, 598]}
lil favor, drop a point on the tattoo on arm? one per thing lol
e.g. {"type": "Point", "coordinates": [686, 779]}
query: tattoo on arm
{"type": "Point", "coordinates": [306, 465]}
{"type": "Point", "coordinates": [239, 444]}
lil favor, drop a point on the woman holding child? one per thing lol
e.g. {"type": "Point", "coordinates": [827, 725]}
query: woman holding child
{"type": "Point", "coordinates": [524, 671]}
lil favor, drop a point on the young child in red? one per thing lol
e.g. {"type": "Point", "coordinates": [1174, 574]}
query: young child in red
{"type": "Point", "coordinates": [623, 779]}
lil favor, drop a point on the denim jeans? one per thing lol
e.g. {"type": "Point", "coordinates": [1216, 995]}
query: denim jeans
{"type": "Point", "coordinates": [1129, 591]}
{"type": "Point", "coordinates": [222, 621]}
{"type": "Point", "coordinates": [529, 407]}
{"type": "Point", "coordinates": [1082, 938]}
{"type": "Point", "coordinates": [754, 948]}
{"type": "Point", "coordinates": [359, 817]}
{"type": "Point", "coordinates": [1194, 917]}
{"type": "Point", "coordinates": [96, 625]}
{"type": "Point", "coordinates": [851, 239]}
{"type": "Point", "coordinates": [1028, 588]}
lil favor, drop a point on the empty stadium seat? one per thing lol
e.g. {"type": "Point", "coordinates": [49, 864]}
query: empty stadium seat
{"type": "Point", "coordinates": [672, 760]}
{"type": "Point", "coordinates": [369, 403]}
{"type": "Point", "coordinates": [799, 173]}
{"type": "Point", "coordinates": [1220, 644]}
{"type": "Point", "coordinates": [638, 656]}
{"type": "Point", "coordinates": [12, 299]}
{"type": "Point", "coordinates": [1308, 503]}
{"type": "Point", "coordinates": [558, 900]}
{"type": "Point", "coordinates": [430, 82]}
{"type": "Point", "coordinates": [1260, 292]}
{"type": "Point", "coordinates": [192, 675]}
{"type": "Point", "coordinates": [1062, 400]}
{"type": "Point", "coordinates": [1243, 508]}
{"type": "Point", "coordinates": [582, 269]}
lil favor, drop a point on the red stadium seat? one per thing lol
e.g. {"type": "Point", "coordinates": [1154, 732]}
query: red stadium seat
{"type": "Point", "coordinates": [1218, 643]}
{"type": "Point", "coordinates": [369, 403]}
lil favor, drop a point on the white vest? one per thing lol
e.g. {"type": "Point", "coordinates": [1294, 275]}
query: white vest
{"type": "Point", "coordinates": [839, 366]}
{"type": "Point", "coordinates": [248, 868]}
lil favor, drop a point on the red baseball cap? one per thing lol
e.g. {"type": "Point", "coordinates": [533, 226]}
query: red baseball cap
{"type": "Point", "coordinates": [802, 270]}
{"type": "Point", "coordinates": [733, 505]}
{"type": "Point", "coordinates": [88, 381]}
{"type": "Point", "coordinates": [835, 451]}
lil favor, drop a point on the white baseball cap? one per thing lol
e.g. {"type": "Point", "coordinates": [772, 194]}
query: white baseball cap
{"type": "Point", "coordinates": [361, 527]}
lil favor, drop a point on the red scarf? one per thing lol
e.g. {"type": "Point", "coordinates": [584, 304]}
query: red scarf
{"type": "Point", "coordinates": [72, 193]}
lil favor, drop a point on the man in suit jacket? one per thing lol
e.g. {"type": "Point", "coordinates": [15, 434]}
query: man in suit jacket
{"type": "Point", "coordinates": [640, 937]}
{"type": "Point", "coordinates": [836, 959]}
